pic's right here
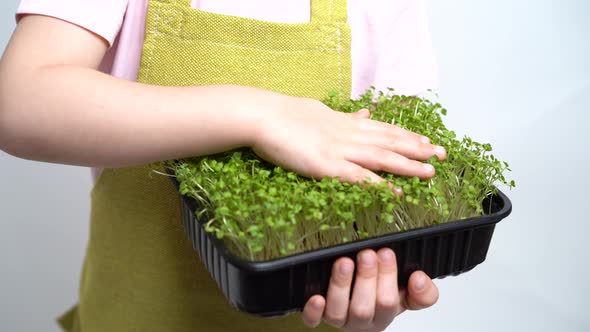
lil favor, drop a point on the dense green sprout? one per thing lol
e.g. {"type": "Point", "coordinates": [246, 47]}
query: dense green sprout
{"type": "Point", "coordinates": [263, 212]}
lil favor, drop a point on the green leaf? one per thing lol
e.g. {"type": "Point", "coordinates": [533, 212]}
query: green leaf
{"type": "Point", "coordinates": [240, 190]}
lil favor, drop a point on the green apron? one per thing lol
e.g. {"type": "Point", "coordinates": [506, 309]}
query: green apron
{"type": "Point", "coordinates": [140, 272]}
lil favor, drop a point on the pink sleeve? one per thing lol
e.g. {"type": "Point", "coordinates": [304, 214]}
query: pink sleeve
{"type": "Point", "coordinates": [406, 60]}
{"type": "Point", "coordinates": [102, 17]}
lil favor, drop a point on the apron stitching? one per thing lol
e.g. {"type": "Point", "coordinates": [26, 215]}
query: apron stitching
{"type": "Point", "coordinates": [155, 31]}
{"type": "Point", "coordinates": [177, 25]}
{"type": "Point", "coordinates": [339, 57]}
{"type": "Point", "coordinates": [329, 40]}
{"type": "Point", "coordinates": [178, 11]}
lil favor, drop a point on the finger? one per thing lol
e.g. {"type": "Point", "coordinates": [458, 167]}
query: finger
{"type": "Point", "coordinates": [354, 173]}
{"type": "Point", "coordinates": [313, 311]}
{"type": "Point", "coordinates": [361, 114]}
{"type": "Point", "coordinates": [337, 300]}
{"type": "Point", "coordinates": [364, 294]}
{"type": "Point", "coordinates": [387, 305]}
{"type": "Point", "coordinates": [387, 128]}
{"type": "Point", "coordinates": [421, 292]}
{"type": "Point", "coordinates": [378, 159]}
{"type": "Point", "coordinates": [409, 147]}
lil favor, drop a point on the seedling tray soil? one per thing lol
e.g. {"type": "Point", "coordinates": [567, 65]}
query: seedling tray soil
{"type": "Point", "coordinates": [281, 286]}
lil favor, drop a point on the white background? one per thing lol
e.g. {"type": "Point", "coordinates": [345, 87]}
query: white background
{"type": "Point", "coordinates": [513, 73]}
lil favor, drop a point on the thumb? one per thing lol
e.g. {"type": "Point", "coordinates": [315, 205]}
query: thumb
{"type": "Point", "coordinates": [421, 292]}
{"type": "Point", "coordinates": [361, 114]}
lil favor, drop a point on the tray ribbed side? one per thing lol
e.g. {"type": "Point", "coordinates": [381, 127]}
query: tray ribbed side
{"type": "Point", "coordinates": [439, 256]}
{"type": "Point", "coordinates": [215, 263]}
{"type": "Point", "coordinates": [443, 255]}
{"type": "Point", "coordinates": [279, 287]}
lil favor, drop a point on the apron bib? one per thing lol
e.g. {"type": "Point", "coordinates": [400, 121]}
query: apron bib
{"type": "Point", "coordinates": [141, 272]}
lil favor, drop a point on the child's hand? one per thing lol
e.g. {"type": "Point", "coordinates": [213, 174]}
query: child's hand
{"type": "Point", "coordinates": [375, 301]}
{"type": "Point", "coordinates": [307, 137]}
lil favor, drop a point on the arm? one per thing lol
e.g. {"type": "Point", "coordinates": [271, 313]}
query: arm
{"type": "Point", "coordinates": [55, 106]}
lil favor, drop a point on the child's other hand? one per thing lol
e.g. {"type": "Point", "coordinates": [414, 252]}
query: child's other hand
{"type": "Point", "coordinates": [305, 136]}
{"type": "Point", "coordinates": [376, 299]}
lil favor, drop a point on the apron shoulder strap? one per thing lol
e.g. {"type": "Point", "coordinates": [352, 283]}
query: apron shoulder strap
{"type": "Point", "coordinates": [328, 11]}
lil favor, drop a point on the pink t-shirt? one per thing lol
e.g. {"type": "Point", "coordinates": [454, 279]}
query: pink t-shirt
{"type": "Point", "coordinates": [391, 45]}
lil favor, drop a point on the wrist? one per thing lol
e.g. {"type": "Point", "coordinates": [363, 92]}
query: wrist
{"type": "Point", "coordinates": [260, 115]}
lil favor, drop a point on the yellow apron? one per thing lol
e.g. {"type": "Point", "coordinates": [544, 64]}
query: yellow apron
{"type": "Point", "coordinates": [140, 272]}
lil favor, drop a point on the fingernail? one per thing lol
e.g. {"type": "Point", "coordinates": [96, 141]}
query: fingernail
{"type": "Point", "coordinates": [428, 168]}
{"type": "Point", "coordinates": [386, 256]}
{"type": "Point", "coordinates": [317, 304]}
{"type": "Point", "coordinates": [425, 139]}
{"type": "Point", "coordinates": [367, 259]}
{"type": "Point", "coordinates": [420, 283]}
{"type": "Point", "coordinates": [440, 151]}
{"type": "Point", "coordinates": [345, 269]}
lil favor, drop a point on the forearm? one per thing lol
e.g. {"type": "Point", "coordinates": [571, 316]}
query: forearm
{"type": "Point", "coordinates": [55, 106]}
{"type": "Point", "coordinates": [73, 115]}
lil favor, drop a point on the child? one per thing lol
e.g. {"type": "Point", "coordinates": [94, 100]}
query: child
{"type": "Point", "coordinates": [211, 76]}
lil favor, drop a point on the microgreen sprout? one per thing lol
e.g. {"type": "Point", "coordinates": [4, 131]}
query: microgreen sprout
{"type": "Point", "coordinates": [263, 212]}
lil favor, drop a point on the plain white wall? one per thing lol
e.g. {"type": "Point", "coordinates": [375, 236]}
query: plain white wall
{"type": "Point", "coordinates": [513, 73]}
{"type": "Point", "coordinates": [516, 74]}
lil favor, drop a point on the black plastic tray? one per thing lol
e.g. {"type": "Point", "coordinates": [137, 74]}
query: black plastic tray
{"type": "Point", "coordinates": [281, 286]}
